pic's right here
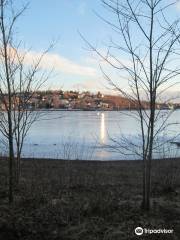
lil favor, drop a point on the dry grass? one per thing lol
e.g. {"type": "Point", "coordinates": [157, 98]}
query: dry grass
{"type": "Point", "coordinates": [88, 200]}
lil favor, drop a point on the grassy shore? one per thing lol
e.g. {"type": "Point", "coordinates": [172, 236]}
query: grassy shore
{"type": "Point", "coordinates": [83, 200]}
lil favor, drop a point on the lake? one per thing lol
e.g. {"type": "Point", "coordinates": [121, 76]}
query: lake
{"type": "Point", "coordinates": [86, 135]}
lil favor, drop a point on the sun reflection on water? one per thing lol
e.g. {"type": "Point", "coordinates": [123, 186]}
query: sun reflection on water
{"type": "Point", "coordinates": [102, 129]}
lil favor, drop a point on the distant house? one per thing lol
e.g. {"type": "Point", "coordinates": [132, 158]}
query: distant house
{"type": "Point", "coordinates": [56, 101]}
{"type": "Point", "coordinates": [64, 103]}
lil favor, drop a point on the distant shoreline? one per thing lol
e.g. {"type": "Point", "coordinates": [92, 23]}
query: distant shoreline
{"type": "Point", "coordinates": [90, 161]}
{"type": "Point", "coordinates": [91, 110]}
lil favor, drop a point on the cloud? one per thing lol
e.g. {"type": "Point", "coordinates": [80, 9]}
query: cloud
{"type": "Point", "coordinates": [59, 63]}
{"type": "Point", "coordinates": [178, 5]}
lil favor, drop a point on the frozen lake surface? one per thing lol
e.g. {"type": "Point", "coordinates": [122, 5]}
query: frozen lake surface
{"type": "Point", "coordinates": [83, 134]}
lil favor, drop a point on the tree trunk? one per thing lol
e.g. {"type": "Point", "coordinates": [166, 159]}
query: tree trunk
{"type": "Point", "coordinates": [18, 167]}
{"type": "Point", "coordinates": [11, 161]}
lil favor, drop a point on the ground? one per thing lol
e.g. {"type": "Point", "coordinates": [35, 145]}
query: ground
{"type": "Point", "coordinates": [89, 200]}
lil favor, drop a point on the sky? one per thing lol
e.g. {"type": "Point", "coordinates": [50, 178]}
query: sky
{"type": "Point", "coordinates": [60, 21]}
{"type": "Point", "coordinates": [75, 66]}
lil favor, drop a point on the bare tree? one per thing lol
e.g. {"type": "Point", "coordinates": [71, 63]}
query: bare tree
{"type": "Point", "coordinates": [144, 52]}
{"type": "Point", "coordinates": [28, 83]}
{"type": "Point", "coordinates": [19, 82]}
